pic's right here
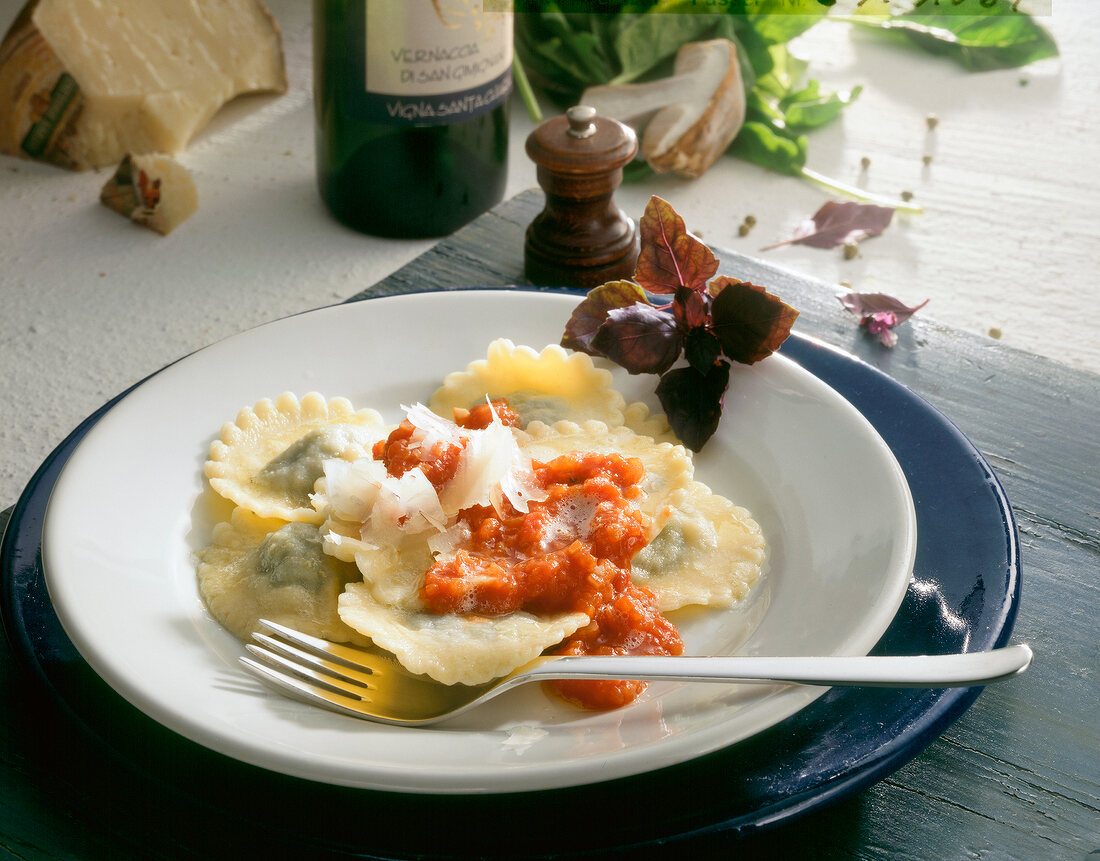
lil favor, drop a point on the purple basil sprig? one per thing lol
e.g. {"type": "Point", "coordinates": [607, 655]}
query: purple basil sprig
{"type": "Point", "coordinates": [879, 313]}
{"type": "Point", "coordinates": [707, 320]}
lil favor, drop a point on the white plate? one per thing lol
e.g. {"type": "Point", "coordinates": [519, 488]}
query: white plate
{"type": "Point", "coordinates": [123, 523]}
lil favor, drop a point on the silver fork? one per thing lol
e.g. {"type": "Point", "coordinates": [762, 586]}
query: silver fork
{"type": "Point", "coordinates": [374, 686]}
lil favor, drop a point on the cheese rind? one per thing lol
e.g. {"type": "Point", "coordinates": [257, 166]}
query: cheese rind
{"type": "Point", "coordinates": [154, 191]}
{"type": "Point", "coordinates": [84, 82]}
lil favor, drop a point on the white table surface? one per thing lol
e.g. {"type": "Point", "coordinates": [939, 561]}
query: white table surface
{"type": "Point", "coordinates": [1007, 244]}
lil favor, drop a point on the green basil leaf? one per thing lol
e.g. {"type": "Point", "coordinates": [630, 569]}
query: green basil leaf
{"type": "Point", "coordinates": [637, 170]}
{"type": "Point", "coordinates": [787, 70]}
{"type": "Point", "coordinates": [755, 45]}
{"type": "Point", "coordinates": [997, 39]}
{"type": "Point", "coordinates": [810, 112]}
{"type": "Point", "coordinates": [766, 146]}
{"type": "Point", "coordinates": [579, 45]}
{"type": "Point", "coordinates": [648, 40]}
{"type": "Point", "coordinates": [762, 107]}
{"type": "Point", "coordinates": [796, 17]}
{"type": "Point", "coordinates": [568, 72]}
{"type": "Point", "coordinates": [550, 64]}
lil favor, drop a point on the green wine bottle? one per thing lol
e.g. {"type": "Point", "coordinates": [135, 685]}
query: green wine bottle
{"type": "Point", "coordinates": [411, 102]}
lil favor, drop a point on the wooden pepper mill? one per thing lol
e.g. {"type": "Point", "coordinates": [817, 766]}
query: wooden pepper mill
{"type": "Point", "coordinates": [581, 238]}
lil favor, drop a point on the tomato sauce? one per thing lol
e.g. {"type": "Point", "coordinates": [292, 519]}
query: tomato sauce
{"type": "Point", "coordinates": [570, 552]}
{"type": "Point", "coordinates": [400, 452]}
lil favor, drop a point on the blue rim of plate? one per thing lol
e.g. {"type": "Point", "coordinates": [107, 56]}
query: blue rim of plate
{"type": "Point", "coordinates": [963, 597]}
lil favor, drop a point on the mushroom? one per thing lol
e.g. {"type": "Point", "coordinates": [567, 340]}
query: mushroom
{"type": "Point", "coordinates": [692, 115]}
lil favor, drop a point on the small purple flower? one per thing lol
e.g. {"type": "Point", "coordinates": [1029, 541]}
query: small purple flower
{"type": "Point", "coordinates": [879, 313]}
{"type": "Point", "coordinates": [881, 323]}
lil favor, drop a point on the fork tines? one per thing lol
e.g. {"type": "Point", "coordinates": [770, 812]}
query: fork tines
{"type": "Point", "coordinates": [310, 667]}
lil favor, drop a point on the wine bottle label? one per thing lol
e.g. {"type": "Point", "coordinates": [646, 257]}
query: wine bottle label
{"type": "Point", "coordinates": [430, 62]}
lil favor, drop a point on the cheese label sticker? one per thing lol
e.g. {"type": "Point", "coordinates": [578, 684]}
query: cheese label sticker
{"type": "Point", "coordinates": [42, 132]}
{"type": "Point", "coordinates": [430, 62]}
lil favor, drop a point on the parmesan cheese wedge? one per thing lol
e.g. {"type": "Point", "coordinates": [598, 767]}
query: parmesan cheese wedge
{"type": "Point", "coordinates": [84, 82]}
{"type": "Point", "coordinates": [154, 191]}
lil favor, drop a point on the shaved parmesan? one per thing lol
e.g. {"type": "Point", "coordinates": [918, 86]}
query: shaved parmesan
{"type": "Point", "coordinates": [387, 506]}
{"type": "Point", "coordinates": [492, 467]}
{"type": "Point", "coordinates": [444, 544]}
{"type": "Point", "coordinates": [408, 504]}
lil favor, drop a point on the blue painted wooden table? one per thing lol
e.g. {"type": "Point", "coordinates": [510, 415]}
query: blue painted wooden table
{"type": "Point", "coordinates": [1017, 775]}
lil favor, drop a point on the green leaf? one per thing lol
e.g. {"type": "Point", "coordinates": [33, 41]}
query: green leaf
{"type": "Point", "coordinates": [794, 19]}
{"type": "Point", "coordinates": [548, 65]}
{"type": "Point", "coordinates": [787, 70]}
{"type": "Point", "coordinates": [581, 47]}
{"type": "Point", "coordinates": [997, 39]}
{"type": "Point", "coordinates": [809, 109]}
{"type": "Point", "coordinates": [764, 108]}
{"type": "Point", "coordinates": [762, 144]}
{"type": "Point", "coordinates": [755, 45]}
{"type": "Point", "coordinates": [647, 40]}
{"type": "Point", "coordinates": [566, 68]}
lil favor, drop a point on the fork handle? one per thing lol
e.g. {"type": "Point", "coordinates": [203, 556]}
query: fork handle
{"type": "Point", "coordinates": [919, 671]}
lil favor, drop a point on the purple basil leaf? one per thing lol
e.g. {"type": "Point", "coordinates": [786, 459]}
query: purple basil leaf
{"type": "Point", "coordinates": [691, 307]}
{"type": "Point", "coordinates": [591, 313]}
{"type": "Point", "coordinates": [837, 223]}
{"type": "Point", "coordinates": [693, 402]}
{"type": "Point", "coordinates": [701, 348]}
{"type": "Point", "coordinates": [864, 305]}
{"type": "Point", "coordinates": [670, 257]}
{"type": "Point", "coordinates": [749, 321]}
{"type": "Point", "coordinates": [640, 338]}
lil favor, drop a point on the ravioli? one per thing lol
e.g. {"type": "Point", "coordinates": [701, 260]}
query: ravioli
{"type": "Point", "coordinates": [325, 540]}
{"type": "Point", "coordinates": [394, 575]}
{"type": "Point", "coordinates": [668, 466]}
{"type": "Point", "coordinates": [453, 649]}
{"type": "Point", "coordinates": [639, 419]}
{"type": "Point", "coordinates": [708, 552]}
{"type": "Point", "coordinates": [547, 386]}
{"type": "Point", "coordinates": [257, 568]}
{"type": "Point", "coordinates": [386, 607]}
{"type": "Point", "coordinates": [450, 648]}
{"type": "Point", "coordinates": [268, 459]}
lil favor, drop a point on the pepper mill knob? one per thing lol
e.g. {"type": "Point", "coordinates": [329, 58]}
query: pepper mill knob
{"type": "Point", "coordinates": [581, 121]}
{"type": "Point", "coordinates": [581, 238]}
